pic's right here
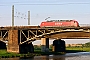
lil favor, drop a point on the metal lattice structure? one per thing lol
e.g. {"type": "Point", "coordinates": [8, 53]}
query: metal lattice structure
{"type": "Point", "coordinates": [28, 34]}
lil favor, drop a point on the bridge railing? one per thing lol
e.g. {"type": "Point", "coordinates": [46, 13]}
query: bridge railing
{"type": "Point", "coordinates": [84, 25]}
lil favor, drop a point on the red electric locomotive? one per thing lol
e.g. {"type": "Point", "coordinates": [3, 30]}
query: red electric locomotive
{"type": "Point", "coordinates": [60, 23]}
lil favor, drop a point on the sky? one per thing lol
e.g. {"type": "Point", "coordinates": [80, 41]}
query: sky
{"type": "Point", "coordinates": [41, 9]}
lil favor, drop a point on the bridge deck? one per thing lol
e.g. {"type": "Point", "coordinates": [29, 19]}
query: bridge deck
{"type": "Point", "coordinates": [31, 33]}
{"type": "Point", "coordinates": [38, 27]}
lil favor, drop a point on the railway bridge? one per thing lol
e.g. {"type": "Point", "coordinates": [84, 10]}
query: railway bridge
{"type": "Point", "coordinates": [20, 38]}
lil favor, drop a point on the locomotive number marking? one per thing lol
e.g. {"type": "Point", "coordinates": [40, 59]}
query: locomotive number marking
{"type": "Point", "coordinates": [58, 23]}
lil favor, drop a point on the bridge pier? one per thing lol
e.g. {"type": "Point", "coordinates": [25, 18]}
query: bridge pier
{"type": "Point", "coordinates": [13, 43]}
{"type": "Point", "coordinates": [58, 45]}
{"type": "Point", "coordinates": [2, 45]}
{"type": "Point", "coordinates": [45, 44]}
{"type": "Point", "coordinates": [26, 48]}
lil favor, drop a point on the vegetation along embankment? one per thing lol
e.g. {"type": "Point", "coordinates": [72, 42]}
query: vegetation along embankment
{"type": "Point", "coordinates": [37, 51]}
{"type": "Point", "coordinates": [5, 54]}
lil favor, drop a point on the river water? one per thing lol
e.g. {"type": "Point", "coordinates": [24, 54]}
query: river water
{"type": "Point", "coordinates": [67, 56]}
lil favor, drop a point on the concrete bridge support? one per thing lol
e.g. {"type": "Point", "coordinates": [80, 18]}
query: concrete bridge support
{"type": "Point", "coordinates": [45, 44]}
{"type": "Point", "coordinates": [26, 48]}
{"type": "Point", "coordinates": [58, 45]}
{"type": "Point", "coordinates": [13, 43]}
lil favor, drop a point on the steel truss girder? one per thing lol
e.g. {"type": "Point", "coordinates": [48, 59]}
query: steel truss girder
{"type": "Point", "coordinates": [2, 35]}
{"type": "Point", "coordinates": [35, 35]}
{"type": "Point", "coordinates": [46, 32]}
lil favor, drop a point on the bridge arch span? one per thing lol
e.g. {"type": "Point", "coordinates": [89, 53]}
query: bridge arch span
{"type": "Point", "coordinates": [70, 35]}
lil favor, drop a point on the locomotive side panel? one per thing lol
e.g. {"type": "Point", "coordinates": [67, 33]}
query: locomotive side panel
{"type": "Point", "coordinates": [47, 24]}
{"type": "Point", "coordinates": [71, 23]}
{"type": "Point", "coordinates": [60, 24]}
{"type": "Point", "coordinates": [66, 24]}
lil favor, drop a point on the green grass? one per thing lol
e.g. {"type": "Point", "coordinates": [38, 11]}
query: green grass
{"type": "Point", "coordinates": [79, 49]}
{"type": "Point", "coordinates": [3, 51]}
{"type": "Point", "coordinates": [5, 54]}
{"type": "Point", "coordinates": [38, 52]}
{"type": "Point", "coordinates": [68, 50]}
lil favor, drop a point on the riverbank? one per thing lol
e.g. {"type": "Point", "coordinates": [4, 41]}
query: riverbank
{"type": "Point", "coordinates": [5, 54]}
{"type": "Point", "coordinates": [77, 49]}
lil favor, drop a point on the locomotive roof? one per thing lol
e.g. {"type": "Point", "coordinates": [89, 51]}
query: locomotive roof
{"type": "Point", "coordinates": [59, 20]}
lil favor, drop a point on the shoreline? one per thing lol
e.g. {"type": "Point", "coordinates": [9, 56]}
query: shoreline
{"type": "Point", "coordinates": [5, 54]}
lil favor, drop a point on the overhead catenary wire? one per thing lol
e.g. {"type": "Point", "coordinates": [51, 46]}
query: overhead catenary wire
{"type": "Point", "coordinates": [50, 3]}
{"type": "Point", "coordinates": [44, 4]}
